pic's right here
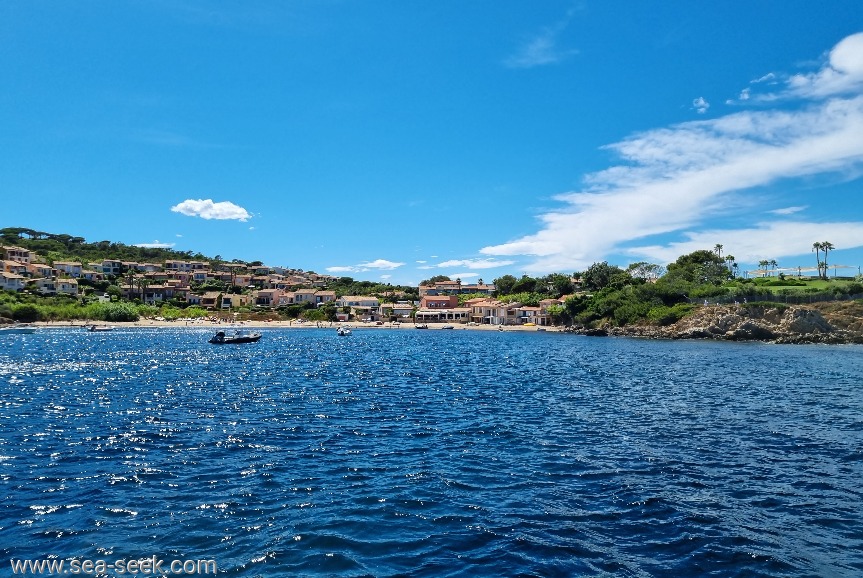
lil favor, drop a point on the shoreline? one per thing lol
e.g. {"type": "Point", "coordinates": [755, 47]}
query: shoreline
{"type": "Point", "coordinates": [208, 324]}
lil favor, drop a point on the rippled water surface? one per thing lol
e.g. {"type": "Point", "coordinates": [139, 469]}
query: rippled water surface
{"type": "Point", "coordinates": [432, 453]}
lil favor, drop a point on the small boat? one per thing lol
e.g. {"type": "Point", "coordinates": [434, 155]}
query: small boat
{"type": "Point", "coordinates": [343, 331]}
{"type": "Point", "coordinates": [448, 327]}
{"type": "Point", "coordinates": [100, 328]}
{"type": "Point", "coordinates": [17, 328]}
{"type": "Point", "coordinates": [220, 337]}
{"type": "Point", "coordinates": [422, 326]}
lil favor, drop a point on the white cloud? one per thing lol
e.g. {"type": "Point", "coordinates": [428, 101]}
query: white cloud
{"type": "Point", "coordinates": [462, 276]}
{"type": "Point", "coordinates": [378, 264]}
{"type": "Point", "coordinates": [843, 72]}
{"type": "Point", "coordinates": [673, 178]}
{"type": "Point", "coordinates": [787, 210]}
{"type": "Point", "coordinates": [422, 262]}
{"type": "Point", "coordinates": [386, 276]}
{"type": "Point", "coordinates": [179, 235]}
{"type": "Point", "coordinates": [207, 209]}
{"type": "Point", "coordinates": [381, 264]}
{"type": "Point", "coordinates": [154, 245]}
{"type": "Point", "coordinates": [475, 263]}
{"type": "Point", "coordinates": [543, 48]}
{"type": "Point", "coordinates": [768, 240]}
{"type": "Point", "coordinates": [700, 105]}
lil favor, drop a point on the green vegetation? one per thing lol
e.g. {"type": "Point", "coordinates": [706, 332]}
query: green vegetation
{"type": "Point", "coordinates": [644, 294]}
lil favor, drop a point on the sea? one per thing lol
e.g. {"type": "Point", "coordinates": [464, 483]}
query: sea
{"type": "Point", "coordinates": [397, 452]}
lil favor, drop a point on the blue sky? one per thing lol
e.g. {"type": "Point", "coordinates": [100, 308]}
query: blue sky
{"type": "Point", "coordinates": [396, 140]}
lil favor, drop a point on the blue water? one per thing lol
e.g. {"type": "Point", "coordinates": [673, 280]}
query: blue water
{"type": "Point", "coordinates": [432, 453]}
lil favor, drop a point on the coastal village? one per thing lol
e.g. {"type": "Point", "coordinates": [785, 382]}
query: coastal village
{"type": "Point", "coordinates": [263, 288]}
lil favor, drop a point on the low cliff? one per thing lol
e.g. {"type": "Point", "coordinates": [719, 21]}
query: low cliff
{"type": "Point", "coordinates": [834, 322]}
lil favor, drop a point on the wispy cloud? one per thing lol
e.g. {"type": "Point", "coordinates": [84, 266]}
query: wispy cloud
{"type": "Point", "coordinates": [671, 180]}
{"type": "Point", "coordinates": [700, 105]}
{"type": "Point", "coordinates": [154, 245]}
{"type": "Point", "coordinates": [207, 209]}
{"type": "Point", "coordinates": [543, 48]}
{"type": "Point", "coordinates": [840, 74]}
{"type": "Point", "coordinates": [463, 276]}
{"type": "Point", "coordinates": [376, 265]}
{"type": "Point", "coordinates": [476, 263]}
{"type": "Point", "coordinates": [787, 210]}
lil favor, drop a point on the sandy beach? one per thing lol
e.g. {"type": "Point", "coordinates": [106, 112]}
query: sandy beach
{"type": "Point", "coordinates": [357, 325]}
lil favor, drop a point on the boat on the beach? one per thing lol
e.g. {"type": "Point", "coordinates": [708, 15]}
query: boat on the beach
{"type": "Point", "coordinates": [343, 331]}
{"type": "Point", "coordinates": [422, 326]}
{"type": "Point", "coordinates": [238, 337]}
{"type": "Point", "coordinates": [100, 328]}
{"type": "Point", "coordinates": [448, 326]}
{"type": "Point", "coordinates": [17, 328]}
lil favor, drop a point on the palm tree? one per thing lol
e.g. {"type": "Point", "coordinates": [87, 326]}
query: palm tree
{"type": "Point", "coordinates": [763, 263]}
{"type": "Point", "coordinates": [816, 246]}
{"type": "Point", "coordinates": [718, 248]}
{"type": "Point", "coordinates": [142, 282]}
{"type": "Point", "coordinates": [826, 246]}
{"type": "Point", "coordinates": [773, 264]}
{"type": "Point", "coordinates": [730, 260]}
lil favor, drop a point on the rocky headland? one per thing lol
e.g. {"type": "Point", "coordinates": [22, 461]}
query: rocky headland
{"type": "Point", "coordinates": [830, 322]}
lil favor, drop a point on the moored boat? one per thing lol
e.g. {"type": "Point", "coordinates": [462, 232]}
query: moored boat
{"type": "Point", "coordinates": [17, 328]}
{"type": "Point", "coordinates": [220, 337]}
{"type": "Point", "coordinates": [343, 331]}
{"type": "Point", "coordinates": [100, 328]}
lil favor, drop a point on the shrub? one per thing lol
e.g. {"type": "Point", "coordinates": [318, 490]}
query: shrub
{"type": "Point", "coordinates": [26, 312]}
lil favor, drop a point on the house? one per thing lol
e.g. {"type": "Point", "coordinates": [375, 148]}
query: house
{"type": "Point", "coordinates": [233, 300]}
{"type": "Point", "coordinates": [91, 275]}
{"type": "Point", "coordinates": [69, 268]}
{"type": "Point", "coordinates": [323, 297]}
{"type": "Point", "coordinates": [454, 314]}
{"type": "Point", "coordinates": [40, 270]}
{"type": "Point", "coordinates": [12, 281]}
{"type": "Point", "coordinates": [455, 288]}
{"type": "Point", "coordinates": [357, 301]}
{"type": "Point", "coordinates": [365, 308]}
{"type": "Point", "coordinates": [267, 297]}
{"type": "Point", "coordinates": [401, 310]}
{"type": "Point", "coordinates": [305, 296]}
{"type": "Point", "coordinates": [493, 312]}
{"type": "Point", "coordinates": [193, 299]}
{"type": "Point", "coordinates": [529, 314]}
{"type": "Point", "coordinates": [17, 254]}
{"type": "Point", "coordinates": [438, 302]}
{"type": "Point", "coordinates": [112, 267]}
{"type": "Point", "coordinates": [15, 267]}
{"type": "Point", "coordinates": [210, 299]}
{"type": "Point", "coordinates": [67, 287]}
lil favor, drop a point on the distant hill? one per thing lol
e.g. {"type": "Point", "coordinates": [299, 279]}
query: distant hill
{"type": "Point", "coordinates": [62, 247]}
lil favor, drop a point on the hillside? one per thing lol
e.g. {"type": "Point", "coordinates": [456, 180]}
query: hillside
{"type": "Point", "coordinates": [63, 247]}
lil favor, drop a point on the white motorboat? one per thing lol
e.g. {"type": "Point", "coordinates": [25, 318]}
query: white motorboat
{"type": "Point", "coordinates": [17, 328]}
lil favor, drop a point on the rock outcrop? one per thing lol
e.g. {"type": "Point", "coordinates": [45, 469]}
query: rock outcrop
{"type": "Point", "coordinates": [821, 323]}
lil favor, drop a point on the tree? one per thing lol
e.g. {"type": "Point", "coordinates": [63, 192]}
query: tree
{"type": "Point", "coordinates": [434, 280]}
{"type": "Point", "coordinates": [645, 270]}
{"type": "Point", "coordinates": [697, 267]}
{"type": "Point", "coordinates": [599, 275]}
{"type": "Point", "coordinates": [718, 248]}
{"type": "Point", "coordinates": [731, 264]}
{"type": "Point", "coordinates": [503, 285]}
{"type": "Point", "coordinates": [763, 263]}
{"type": "Point", "coordinates": [826, 246]}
